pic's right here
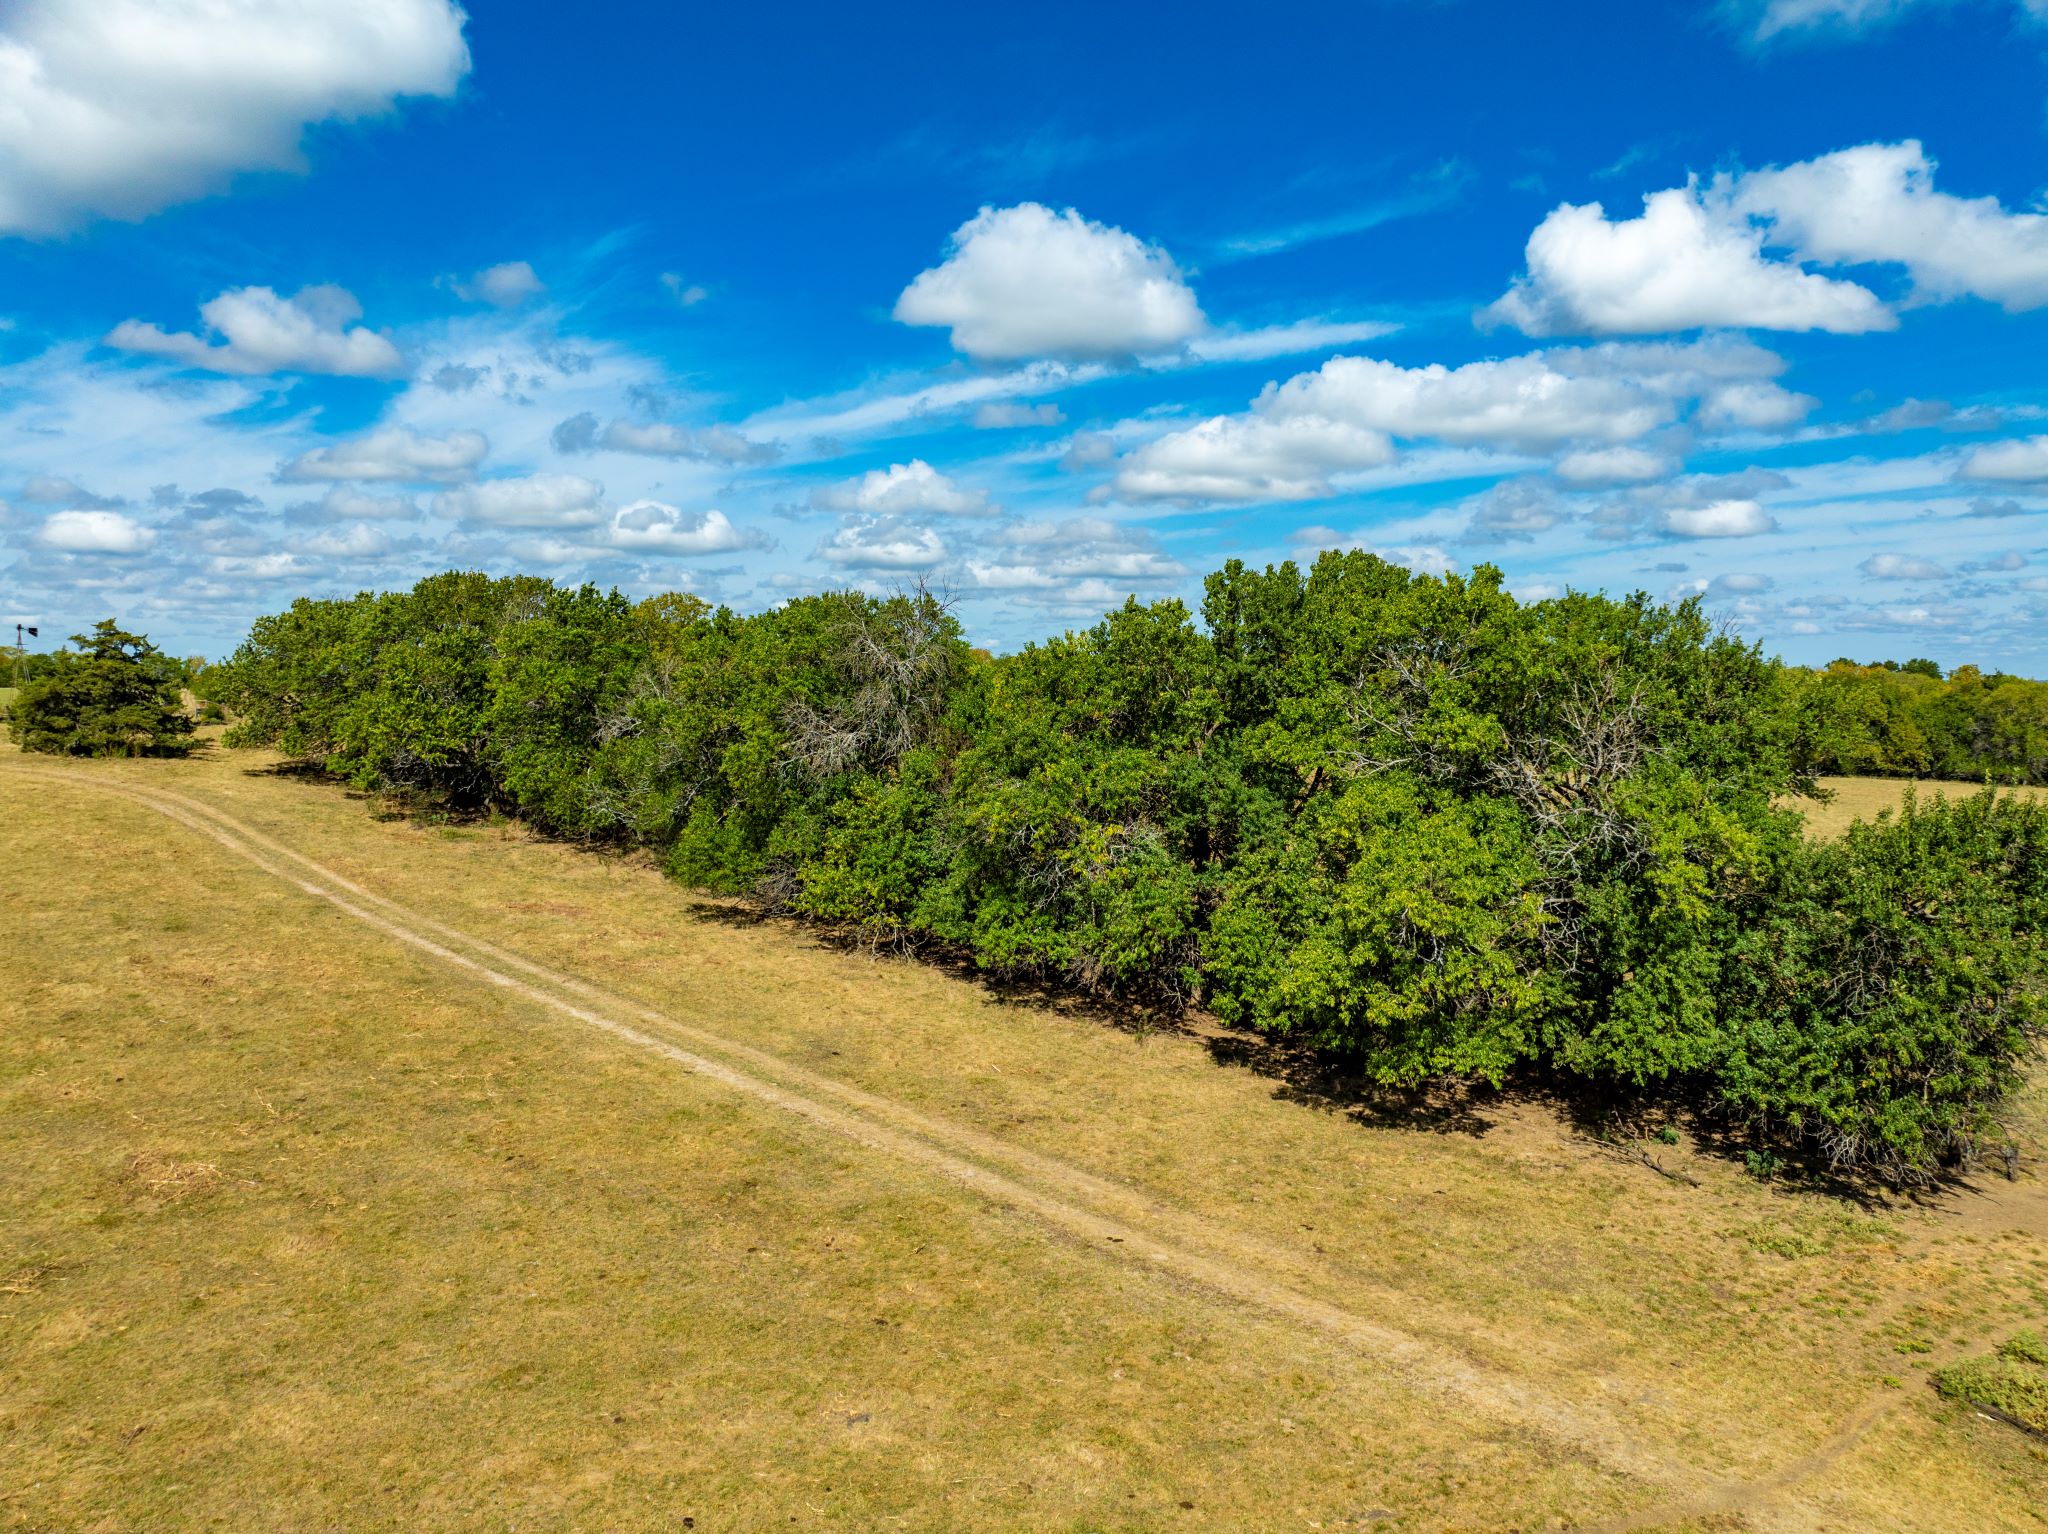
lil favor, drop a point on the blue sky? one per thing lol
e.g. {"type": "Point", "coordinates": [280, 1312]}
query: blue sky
{"type": "Point", "coordinates": [305, 296]}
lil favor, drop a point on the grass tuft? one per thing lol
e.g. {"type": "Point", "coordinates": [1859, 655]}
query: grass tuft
{"type": "Point", "coordinates": [2025, 1348]}
{"type": "Point", "coordinates": [159, 1179]}
{"type": "Point", "coordinates": [2012, 1383]}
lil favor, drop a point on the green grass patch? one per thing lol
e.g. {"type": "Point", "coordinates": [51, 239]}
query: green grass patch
{"type": "Point", "coordinates": [1816, 1233]}
{"type": "Point", "coordinates": [2013, 1382]}
{"type": "Point", "coordinates": [2025, 1348]}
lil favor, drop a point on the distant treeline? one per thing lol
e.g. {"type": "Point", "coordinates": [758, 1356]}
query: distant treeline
{"type": "Point", "coordinates": [1909, 720]}
{"type": "Point", "coordinates": [1401, 818]}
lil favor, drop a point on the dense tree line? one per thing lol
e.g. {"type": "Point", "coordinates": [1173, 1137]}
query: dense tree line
{"type": "Point", "coordinates": [1892, 720]}
{"type": "Point", "coordinates": [1404, 819]}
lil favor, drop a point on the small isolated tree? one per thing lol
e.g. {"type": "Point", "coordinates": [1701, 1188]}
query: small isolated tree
{"type": "Point", "coordinates": [115, 695]}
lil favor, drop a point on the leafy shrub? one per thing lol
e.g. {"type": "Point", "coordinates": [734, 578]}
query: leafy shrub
{"type": "Point", "coordinates": [1891, 988]}
{"type": "Point", "coordinates": [115, 695]}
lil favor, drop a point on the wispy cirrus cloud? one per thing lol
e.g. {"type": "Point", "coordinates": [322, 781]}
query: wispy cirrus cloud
{"type": "Point", "coordinates": [1438, 187]}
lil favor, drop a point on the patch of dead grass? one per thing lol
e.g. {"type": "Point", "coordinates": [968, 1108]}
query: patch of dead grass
{"type": "Point", "coordinates": [1854, 799]}
{"type": "Point", "coordinates": [26, 1279]}
{"type": "Point", "coordinates": [158, 1179]}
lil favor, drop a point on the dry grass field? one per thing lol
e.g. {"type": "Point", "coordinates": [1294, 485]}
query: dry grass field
{"type": "Point", "coordinates": [357, 1173]}
{"type": "Point", "coordinates": [1853, 799]}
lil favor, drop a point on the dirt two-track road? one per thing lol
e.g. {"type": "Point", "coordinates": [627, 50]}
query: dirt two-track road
{"type": "Point", "coordinates": [1825, 1328]}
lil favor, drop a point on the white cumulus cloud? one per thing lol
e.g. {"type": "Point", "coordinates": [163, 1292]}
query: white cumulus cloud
{"type": "Point", "coordinates": [1877, 203]}
{"type": "Point", "coordinates": [1717, 519]}
{"type": "Point", "coordinates": [392, 454]}
{"type": "Point", "coordinates": [95, 532]}
{"type": "Point", "coordinates": [903, 489]}
{"type": "Point", "coordinates": [1242, 458]}
{"type": "Point", "coordinates": [884, 543]}
{"type": "Point", "coordinates": [120, 108]}
{"type": "Point", "coordinates": [1515, 402]}
{"type": "Point", "coordinates": [275, 566]}
{"type": "Point", "coordinates": [1345, 415]}
{"type": "Point", "coordinates": [1684, 264]}
{"type": "Point", "coordinates": [1757, 405]}
{"type": "Point", "coordinates": [1028, 281]}
{"type": "Point", "coordinates": [1700, 254]}
{"type": "Point", "coordinates": [528, 500]}
{"type": "Point", "coordinates": [263, 333]}
{"type": "Point", "coordinates": [2021, 461]}
{"type": "Point", "coordinates": [654, 527]}
{"type": "Point", "coordinates": [1902, 567]}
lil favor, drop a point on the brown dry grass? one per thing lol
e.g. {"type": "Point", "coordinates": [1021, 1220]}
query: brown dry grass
{"type": "Point", "coordinates": [1853, 799]}
{"type": "Point", "coordinates": [462, 1263]}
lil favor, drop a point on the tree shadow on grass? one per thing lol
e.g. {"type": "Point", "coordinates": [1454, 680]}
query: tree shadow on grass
{"type": "Point", "coordinates": [299, 772]}
{"type": "Point", "coordinates": [1301, 1074]}
{"type": "Point", "coordinates": [386, 805]}
{"type": "Point", "coordinates": [1139, 1016]}
{"type": "Point", "coordinates": [1315, 1078]}
{"type": "Point", "coordinates": [1614, 1120]}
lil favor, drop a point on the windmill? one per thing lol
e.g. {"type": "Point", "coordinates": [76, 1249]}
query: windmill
{"type": "Point", "coordinates": [20, 649]}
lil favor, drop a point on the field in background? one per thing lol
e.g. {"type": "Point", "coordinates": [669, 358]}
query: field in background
{"type": "Point", "coordinates": [1866, 798]}
{"type": "Point", "coordinates": [302, 1228]}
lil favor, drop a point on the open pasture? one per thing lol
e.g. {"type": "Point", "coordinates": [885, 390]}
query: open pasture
{"type": "Point", "coordinates": [1854, 799]}
{"type": "Point", "coordinates": [363, 1173]}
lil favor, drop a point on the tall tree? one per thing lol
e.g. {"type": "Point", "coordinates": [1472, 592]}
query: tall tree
{"type": "Point", "coordinates": [116, 694]}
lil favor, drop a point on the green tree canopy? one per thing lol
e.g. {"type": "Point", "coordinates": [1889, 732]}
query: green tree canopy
{"type": "Point", "coordinates": [115, 695]}
{"type": "Point", "coordinates": [1403, 819]}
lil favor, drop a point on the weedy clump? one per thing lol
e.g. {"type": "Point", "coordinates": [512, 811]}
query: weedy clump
{"type": "Point", "coordinates": [2011, 1383]}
